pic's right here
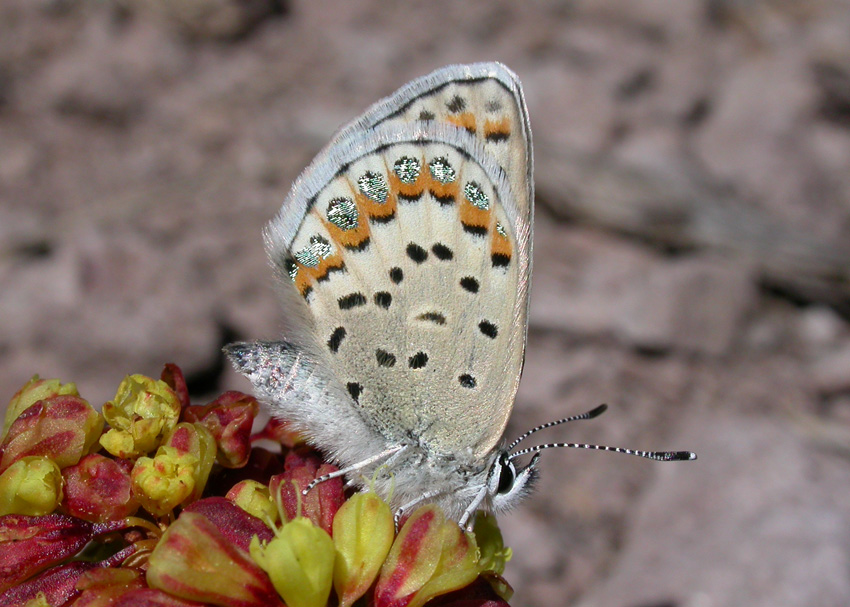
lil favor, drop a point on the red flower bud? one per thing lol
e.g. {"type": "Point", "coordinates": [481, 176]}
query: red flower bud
{"type": "Point", "coordinates": [98, 489]}
{"type": "Point", "coordinates": [321, 503]}
{"type": "Point", "coordinates": [229, 418]}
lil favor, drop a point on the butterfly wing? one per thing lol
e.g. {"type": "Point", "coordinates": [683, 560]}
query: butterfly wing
{"type": "Point", "coordinates": [407, 242]}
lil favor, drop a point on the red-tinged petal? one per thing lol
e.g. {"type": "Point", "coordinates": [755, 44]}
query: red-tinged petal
{"type": "Point", "coordinates": [194, 561]}
{"type": "Point", "coordinates": [29, 544]}
{"type": "Point", "coordinates": [173, 376]}
{"type": "Point", "coordinates": [229, 418]}
{"type": "Point", "coordinates": [98, 489]}
{"type": "Point", "coordinates": [477, 594]}
{"type": "Point", "coordinates": [150, 597]}
{"type": "Point", "coordinates": [34, 390]}
{"type": "Point", "coordinates": [430, 556]}
{"type": "Point", "coordinates": [58, 585]}
{"type": "Point", "coordinates": [101, 587]}
{"type": "Point", "coordinates": [320, 505]}
{"type": "Point", "coordinates": [232, 522]}
{"type": "Point", "coordinates": [63, 428]}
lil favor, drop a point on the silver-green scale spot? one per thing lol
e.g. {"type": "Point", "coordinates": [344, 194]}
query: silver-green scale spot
{"type": "Point", "coordinates": [407, 169]}
{"type": "Point", "coordinates": [342, 212]}
{"type": "Point", "coordinates": [441, 170]}
{"type": "Point", "coordinates": [476, 196]}
{"type": "Point", "coordinates": [309, 256]}
{"type": "Point", "coordinates": [291, 269]}
{"type": "Point", "coordinates": [501, 229]}
{"type": "Point", "coordinates": [373, 186]}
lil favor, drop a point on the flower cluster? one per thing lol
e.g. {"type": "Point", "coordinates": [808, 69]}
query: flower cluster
{"type": "Point", "coordinates": [160, 503]}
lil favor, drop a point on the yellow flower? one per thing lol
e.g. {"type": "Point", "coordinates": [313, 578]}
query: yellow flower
{"type": "Point", "coordinates": [31, 486]}
{"type": "Point", "coordinates": [363, 534]}
{"type": "Point", "coordinates": [163, 482]}
{"type": "Point", "coordinates": [143, 412]}
{"type": "Point", "coordinates": [488, 536]}
{"type": "Point", "coordinates": [254, 498]}
{"type": "Point", "coordinates": [299, 561]}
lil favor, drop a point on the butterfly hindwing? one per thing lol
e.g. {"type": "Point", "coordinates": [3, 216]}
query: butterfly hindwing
{"type": "Point", "coordinates": [407, 242]}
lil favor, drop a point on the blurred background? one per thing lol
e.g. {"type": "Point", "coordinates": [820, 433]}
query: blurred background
{"type": "Point", "coordinates": [691, 258]}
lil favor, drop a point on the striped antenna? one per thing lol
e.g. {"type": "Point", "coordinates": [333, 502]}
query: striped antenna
{"type": "Point", "coordinates": [662, 456]}
{"type": "Point", "coordinates": [595, 412]}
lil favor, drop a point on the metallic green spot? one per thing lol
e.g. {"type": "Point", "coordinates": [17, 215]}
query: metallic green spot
{"type": "Point", "coordinates": [501, 229]}
{"type": "Point", "coordinates": [476, 196]}
{"type": "Point", "coordinates": [291, 269]}
{"type": "Point", "coordinates": [342, 212]}
{"type": "Point", "coordinates": [373, 186]}
{"type": "Point", "coordinates": [441, 170]}
{"type": "Point", "coordinates": [310, 256]}
{"type": "Point", "coordinates": [407, 169]}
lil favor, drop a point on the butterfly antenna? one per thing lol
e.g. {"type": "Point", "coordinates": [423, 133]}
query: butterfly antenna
{"type": "Point", "coordinates": [662, 456]}
{"type": "Point", "coordinates": [595, 412]}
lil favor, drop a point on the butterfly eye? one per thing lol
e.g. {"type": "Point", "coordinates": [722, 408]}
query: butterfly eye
{"type": "Point", "coordinates": [507, 476]}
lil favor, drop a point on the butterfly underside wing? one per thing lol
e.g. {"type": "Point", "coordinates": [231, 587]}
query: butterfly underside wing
{"type": "Point", "coordinates": [404, 256]}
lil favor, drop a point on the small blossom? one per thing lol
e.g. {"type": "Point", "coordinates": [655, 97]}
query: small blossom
{"type": "Point", "coordinates": [63, 428]}
{"type": "Point", "coordinates": [488, 536]}
{"type": "Point", "coordinates": [430, 556]}
{"type": "Point", "coordinates": [229, 418]}
{"type": "Point", "coordinates": [300, 562]}
{"type": "Point", "coordinates": [34, 390]}
{"type": "Point", "coordinates": [143, 412]}
{"type": "Point", "coordinates": [363, 534]}
{"type": "Point", "coordinates": [255, 499]}
{"type": "Point", "coordinates": [194, 561]}
{"type": "Point", "coordinates": [178, 473]}
{"type": "Point", "coordinates": [163, 482]}
{"type": "Point", "coordinates": [321, 503]}
{"type": "Point", "coordinates": [236, 525]}
{"type": "Point", "coordinates": [31, 486]}
{"type": "Point", "coordinates": [98, 489]}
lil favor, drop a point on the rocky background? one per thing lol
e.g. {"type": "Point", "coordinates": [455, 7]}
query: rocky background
{"type": "Point", "coordinates": [691, 260]}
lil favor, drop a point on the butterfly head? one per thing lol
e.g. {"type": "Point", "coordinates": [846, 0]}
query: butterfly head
{"type": "Point", "coordinates": [507, 485]}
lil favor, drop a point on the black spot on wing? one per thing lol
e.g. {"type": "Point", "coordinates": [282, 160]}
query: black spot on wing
{"type": "Point", "coordinates": [456, 104]}
{"type": "Point", "coordinates": [352, 300]}
{"type": "Point", "coordinates": [384, 358]}
{"type": "Point", "coordinates": [383, 299]}
{"type": "Point", "coordinates": [444, 201]}
{"type": "Point", "coordinates": [434, 317]}
{"type": "Point", "coordinates": [416, 253]}
{"type": "Point", "coordinates": [442, 252]}
{"type": "Point", "coordinates": [488, 329]}
{"type": "Point", "coordinates": [418, 360]}
{"type": "Point", "coordinates": [467, 381]}
{"type": "Point", "coordinates": [500, 260]}
{"type": "Point", "coordinates": [474, 230]}
{"type": "Point", "coordinates": [469, 283]}
{"type": "Point", "coordinates": [396, 275]}
{"type": "Point", "coordinates": [355, 390]}
{"type": "Point", "coordinates": [336, 339]}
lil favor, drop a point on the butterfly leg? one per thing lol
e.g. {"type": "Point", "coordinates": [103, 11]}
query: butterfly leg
{"type": "Point", "coordinates": [403, 509]}
{"type": "Point", "coordinates": [473, 506]}
{"type": "Point", "coordinates": [366, 462]}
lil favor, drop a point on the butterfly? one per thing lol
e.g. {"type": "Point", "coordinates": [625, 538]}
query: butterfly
{"type": "Point", "coordinates": [403, 255]}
